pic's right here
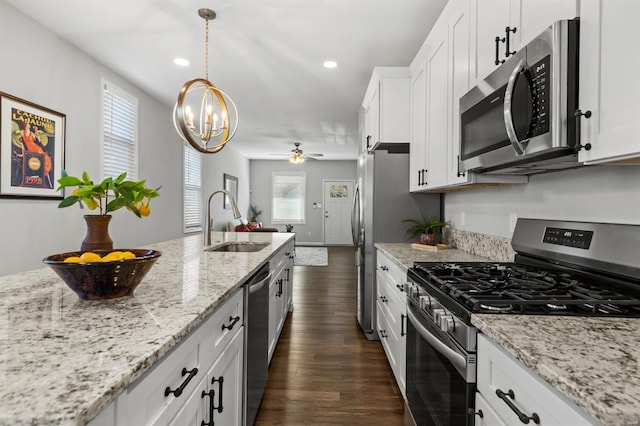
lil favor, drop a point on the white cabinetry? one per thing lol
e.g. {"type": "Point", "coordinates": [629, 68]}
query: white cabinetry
{"type": "Point", "coordinates": [392, 315]}
{"type": "Point", "coordinates": [440, 75]}
{"type": "Point", "coordinates": [609, 84]}
{"type": "Point", "coordinates": [518, 20]}
{"type": "Point", "coordinates": [386, 107]}
{"type": "Point", "coordinates": [280, 293]}
{"type": "Point", "coordinates": [173, 386]}
{"type": "Point", "coordinates": [507, 387]}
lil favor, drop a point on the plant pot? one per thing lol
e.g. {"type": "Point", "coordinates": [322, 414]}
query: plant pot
{"type": "Point", "coordinates": [97, 237]}
{"type": "Point", "coordinates": [428, 239]}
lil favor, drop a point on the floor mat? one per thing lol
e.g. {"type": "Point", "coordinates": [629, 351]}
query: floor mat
{"type": "Point", "coordinates": [311, 256]}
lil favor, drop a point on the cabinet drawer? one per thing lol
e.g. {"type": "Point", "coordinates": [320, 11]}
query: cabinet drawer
{"type": "Point", "coordinates": [395, 275]}
{"type": "Point", "coordinates": [498, 370]}
{"type": "Point", "coordinates": [488, 416]}
{"type": "Point", "coordinates": [220, 328]}
{"type": "Point", "coordinates": [147, 403]}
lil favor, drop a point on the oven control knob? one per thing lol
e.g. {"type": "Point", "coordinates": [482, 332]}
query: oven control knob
{"type": "Point", "coordinates": [425, 302]}
{"type": "Point", "coordinates": [447, 323]}
{"type": "Point", "coordinates": [437, 315]}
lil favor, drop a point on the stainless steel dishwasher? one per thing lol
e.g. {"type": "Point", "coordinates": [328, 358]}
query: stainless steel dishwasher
{"type": "Point", "coordinates": [256, 341]}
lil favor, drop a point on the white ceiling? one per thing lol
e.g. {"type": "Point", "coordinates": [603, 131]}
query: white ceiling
{"type": "Point", "coordinates": [267, 54]}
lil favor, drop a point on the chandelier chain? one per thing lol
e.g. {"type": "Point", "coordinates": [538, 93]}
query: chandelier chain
{"type": "Point", "coordinates": [206, 50]}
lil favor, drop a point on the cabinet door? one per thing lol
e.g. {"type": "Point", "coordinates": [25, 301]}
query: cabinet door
{"type": "Point", "coordinates": [485, 416]}
{"type": "Point", "coordinates": [195, 409]}
{"type": "Point", "coordinates": [225, 380]}
{"type": "Point", "coordinates": [437, 107]}
{"type": "Point", "coordinates": [372, 118]}
{"type": "Point", "coordinates": [418, 153]}
{"type": "Point", "coordinates": [609, 84]}
{"type": "Point", "coordinates": [532, 17]}
{"type": "Point", "coordinates": [460, 63]}
{"type": "Point", "coordinates": [492, 17]}
{"type": "Point", "coordinates": [273, 315]}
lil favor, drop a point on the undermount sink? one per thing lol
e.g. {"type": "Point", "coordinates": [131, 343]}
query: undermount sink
{"type": "Point", "coordinates": [237, 247]}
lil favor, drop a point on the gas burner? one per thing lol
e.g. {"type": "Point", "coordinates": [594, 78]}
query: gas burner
{"type": "Point", "coordinates": [556, 308]}
{"type": "Point", "coordinates": [497, 308]}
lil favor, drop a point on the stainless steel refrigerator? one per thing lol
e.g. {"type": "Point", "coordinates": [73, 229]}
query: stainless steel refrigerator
{"type": "Point", "coordinates": [381, 201]}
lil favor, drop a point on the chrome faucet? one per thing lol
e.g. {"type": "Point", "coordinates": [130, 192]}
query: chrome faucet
{"type": "Point", "coordinates": [234, 207]}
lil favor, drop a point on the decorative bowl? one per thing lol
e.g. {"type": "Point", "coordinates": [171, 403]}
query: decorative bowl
{"type": "Point", "coordinates": [103, 280]}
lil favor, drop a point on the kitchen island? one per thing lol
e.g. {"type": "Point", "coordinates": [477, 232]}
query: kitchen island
{"type": "Point", "coordinates": [62, 359]}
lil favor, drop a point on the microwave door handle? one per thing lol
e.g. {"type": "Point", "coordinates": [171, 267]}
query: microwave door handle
{"type": "Point", "coordinates": [458, 361]}
{"type": "Point", "coordinates": [517, 145]}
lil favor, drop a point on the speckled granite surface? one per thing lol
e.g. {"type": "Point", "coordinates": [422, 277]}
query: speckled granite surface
{"type": "Point", "coordinates": [62, 360]}
{"type": "Point", "coordinates": [495, 248]}
{"type": "Point", "coordinates": [593, 361]}
{"type": "Point", "coordinates": [403, 255]}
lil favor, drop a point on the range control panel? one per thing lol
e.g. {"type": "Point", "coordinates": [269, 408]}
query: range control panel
{"type": "Point", "coordinates": [568, 237]}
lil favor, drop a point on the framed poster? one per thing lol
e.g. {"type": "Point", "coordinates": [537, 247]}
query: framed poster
{"type": "Point", "coordinates": [231, 185]}
{"type": "Point", "coordinates": [32, 141]}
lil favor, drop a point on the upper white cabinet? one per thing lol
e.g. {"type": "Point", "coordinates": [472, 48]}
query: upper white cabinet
{"type": "Point", "coordinates": [510, 23]}
{"type": "Point", "coordinates": [609, 84]}
{"type": "Point", "coordinates": [418, 153]}
{"type": "Point", "coordinates": [386, 107]}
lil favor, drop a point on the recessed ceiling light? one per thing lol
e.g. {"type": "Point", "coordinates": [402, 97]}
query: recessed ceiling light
{"type": "Point", "coordinates": [181, 62]}
{"type": "Point", "coordinates": [330, 64]}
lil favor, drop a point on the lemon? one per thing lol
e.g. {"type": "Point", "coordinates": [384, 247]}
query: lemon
{"type": "Point", "coordinates": [114, 255]}
{"type": "Point", "coordinates": [89, 256]}
{"type": "Point", "coordinates": [72, 259]}
{"type": "Point", "coordinates": [128, 255]}
{"type": "Point", "coordinates": [144, 209]}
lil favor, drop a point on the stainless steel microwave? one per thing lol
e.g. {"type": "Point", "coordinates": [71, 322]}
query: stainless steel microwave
{"type": "Point", "coordinates": [521, 118]}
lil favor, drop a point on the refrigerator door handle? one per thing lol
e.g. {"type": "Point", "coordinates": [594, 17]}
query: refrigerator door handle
{"type": "Point", "coordinates": [355, 217]}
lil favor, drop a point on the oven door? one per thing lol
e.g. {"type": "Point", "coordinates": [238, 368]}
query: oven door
{"type": "Point", "coordinates": [440, 376]}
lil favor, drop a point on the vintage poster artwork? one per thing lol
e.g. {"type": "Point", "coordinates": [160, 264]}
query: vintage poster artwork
{"type": "Point", "coordinates": [31, 149]}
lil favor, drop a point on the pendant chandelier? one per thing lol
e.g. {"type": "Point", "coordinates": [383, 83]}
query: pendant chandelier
{"type": "Point", "coordinates": [215, 120]}
{"type": "Point", "coordinates": [297, 156]}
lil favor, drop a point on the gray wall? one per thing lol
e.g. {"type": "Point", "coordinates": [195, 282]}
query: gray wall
{"type": "Point", "coordinates": [38, 66]}
{"type": "Point", "coordinates": [591, 193]}
{"type": "Point", "coordinates": [316, 170]}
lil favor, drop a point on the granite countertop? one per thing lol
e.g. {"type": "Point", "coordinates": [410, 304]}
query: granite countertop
{"type": "Point", "coordinates": [593, 361]}
{"type": "Point", "coordinates": [403, 255]}
{"type": "Point", "coordinates": [62, 359]}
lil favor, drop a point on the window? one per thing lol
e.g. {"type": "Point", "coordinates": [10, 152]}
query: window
{"type": "Point", "coordinates": [120, 132]}
{"type": "Point", "coordinates": [288, 197]}
{"type": "Point", "coordinates": [192, 189]}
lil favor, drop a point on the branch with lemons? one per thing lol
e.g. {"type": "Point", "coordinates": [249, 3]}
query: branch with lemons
{"type": "Point", "coordinates": [109, 195]}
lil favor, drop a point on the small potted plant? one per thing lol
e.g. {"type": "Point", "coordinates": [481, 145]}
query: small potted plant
{"type": "Point", "coordinates": [107, 196]}
{"type": "Point", "coordinates": [428, 230]}
{"type": "Point", "coordinates": [255, 212]}
{"type": "Point", "coordinates": [289, 227]}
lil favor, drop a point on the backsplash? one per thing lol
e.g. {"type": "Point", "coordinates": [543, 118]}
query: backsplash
{"type": "Point", "coordinates": [491, 246]}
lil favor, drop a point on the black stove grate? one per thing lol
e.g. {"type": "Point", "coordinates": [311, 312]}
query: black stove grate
{"type": "Point", "coordinates": [515, 288]}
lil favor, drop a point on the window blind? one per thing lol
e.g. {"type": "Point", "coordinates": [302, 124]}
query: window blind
{"type": "Point", "coordinates": [192, 189]}
{"type": "Point", "coordinates": [288, 195]}
{"type": "Point", "coordinates": [120, 131]}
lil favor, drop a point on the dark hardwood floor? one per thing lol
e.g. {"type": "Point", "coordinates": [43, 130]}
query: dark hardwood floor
{"type": "Point", "coordinates": [324, 371]}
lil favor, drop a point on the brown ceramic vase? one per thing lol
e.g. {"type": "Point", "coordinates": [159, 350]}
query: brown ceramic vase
{"type": "Point", "coordinates": [97, 237]}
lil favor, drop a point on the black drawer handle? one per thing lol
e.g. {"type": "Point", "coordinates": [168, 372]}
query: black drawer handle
{"type": "Point", "coordinates": [234, 321]}
{"type": "Point", "coordinates": [211, 394]}
{"type": "Point", "coordinates": [478, 413]}
{"type": "Point", "coordinates": [177, 392]}
{"type": "Point", "coordinates": [523, 417]}
{"type": "Point", "coordinates": [384, 268]}
{"type": "Point", "coordinates": [400, 287]}
{"type": "Point", "coordinates": [383, 334]}
{"type": "Point", "coordinates": [403, 317]}
{"type": "Point", "coordinates": [384, 299]}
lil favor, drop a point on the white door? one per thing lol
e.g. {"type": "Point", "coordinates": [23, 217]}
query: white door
{"type": "Point", "coordinates": [338, 200]}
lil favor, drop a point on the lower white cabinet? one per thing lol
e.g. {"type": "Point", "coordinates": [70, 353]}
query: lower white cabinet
{"type": "Point", "coordinates": [508, 390]}
{"type": "Point", "coordinates": [205, 368]}
{"type": "Point", "coordinates": [218, 397]}
{"type": "Point", "coordinates": [391, 319]}
{"type": "Point", "coordinates": [280, 293]}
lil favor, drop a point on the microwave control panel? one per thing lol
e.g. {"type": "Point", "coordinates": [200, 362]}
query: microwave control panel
{"type": "Point", "coordinates": [540, 91]}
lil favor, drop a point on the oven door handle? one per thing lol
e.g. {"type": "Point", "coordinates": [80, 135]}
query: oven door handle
{"type": "Point", "coordinates": [517, 145]}
{"type": "Point", "coordinates": [458, 361]}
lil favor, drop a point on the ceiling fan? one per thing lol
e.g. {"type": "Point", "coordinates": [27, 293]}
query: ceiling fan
{"type": "Point", "coordinates": [298, 156]}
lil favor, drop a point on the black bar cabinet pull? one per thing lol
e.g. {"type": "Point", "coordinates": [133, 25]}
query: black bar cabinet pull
{"type": "Point", "coordinates": [458, 165]}
{"type": "Point", "coordinates": [400, 287]}
{"type": "Point", "coordinates": [403, 317]}
{"type": "Point", "coordinates": [498, 61]}
{"type": "Point", "coordinates": [523, 417]}
{"type": "Point", "coordinates": [419, 177]}
{"type": "Point", "coordinates": [368, 141]}
{"type": "Point", "coordinates": [508, 51]}
{"type": "Point", "coordinates": [233, 322]}
{"type": "Point", "coordinates": [579, 114]}
{"type": "Point", "coordinates": [211, 394]}
{"type": "Point", "coordinates": [220, 382]}
{"type": "Point", "coordinates": [178, 392]}
{"type": "Point", "coordinates": [384, 268]}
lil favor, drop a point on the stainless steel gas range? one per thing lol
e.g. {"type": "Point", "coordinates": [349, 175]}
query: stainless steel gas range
{"type": "Point", "coordinates": [561, 268]}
